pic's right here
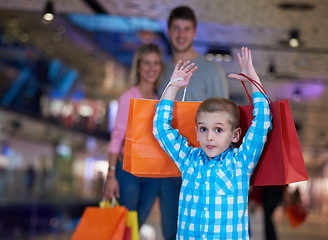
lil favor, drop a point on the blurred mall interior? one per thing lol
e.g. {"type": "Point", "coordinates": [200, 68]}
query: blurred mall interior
{"type": "Point", "coordinates": [60, 78]}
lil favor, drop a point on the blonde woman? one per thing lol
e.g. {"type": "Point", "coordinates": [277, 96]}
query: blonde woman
{"type": "Point", "coordinates": [135, 193]}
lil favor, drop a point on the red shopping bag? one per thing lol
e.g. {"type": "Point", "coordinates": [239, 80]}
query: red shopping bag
{"type": "Point", "coordinates": [281, 160]}
{"type": "Point", "coordinates": [101, 224]}
{"type": "Point", "coordinates": [127, 234]}
{"type": "Point", "coordinates": [296, 214]}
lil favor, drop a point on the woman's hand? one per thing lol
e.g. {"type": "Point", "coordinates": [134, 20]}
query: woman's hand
{"type": "Point", "coordinates": [112, 188]}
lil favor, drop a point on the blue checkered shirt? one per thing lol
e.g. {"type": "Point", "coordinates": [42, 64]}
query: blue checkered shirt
{"type": "Point", "coordinates": [214, 192]}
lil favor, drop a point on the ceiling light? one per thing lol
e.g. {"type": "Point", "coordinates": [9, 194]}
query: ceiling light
{"type": "Point", "coordinates": [85, 110]}
{"type": "Point", "coordinates": [210, 57]}
{"type": "Point", "coordinates": [24, 37]}
{"type": "Point", "coordinates": [56, 37]}
{"type": "Point", "coordinates": [12, 22]}
{"type": "Point", "coordinates": [227, 58]}
{"type": "Point", "coordinates": [219, 54]}
{"type": "Point", "coordinates": [272, 69]}
{"type": "Point", "coordinates": [296, 6]}
{"type": "Point", "coordinates": [49, 14]}
{"type": "Point", "coordinates": [297, 94]}
{"type": "Point", "coordinates": [218, 57]}
{"type": "Point", "coordinates": [294, 40]}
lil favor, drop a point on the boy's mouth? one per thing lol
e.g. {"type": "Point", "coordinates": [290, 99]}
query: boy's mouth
{"type": "Point", "coordinates": [210, 146]}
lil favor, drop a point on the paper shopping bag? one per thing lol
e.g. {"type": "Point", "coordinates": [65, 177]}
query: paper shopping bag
{"type": "Point", "coordinates": [143, 156]}
{"type": "Point", "coordinates": [133, 225]}
{"type": "Point", "coordinates": [127, 233]}
{"type": "Point", "coordinates": [131, 231]}
{"type": "Point", "coordinates": [281, 161]}
{"type": "Point", "coordinates": [101, 224]}
{"type": "Point", "coordinates": [296, 214]}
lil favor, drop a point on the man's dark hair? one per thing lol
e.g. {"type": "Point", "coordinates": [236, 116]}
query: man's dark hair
{"type": "Point", "coordinates": [182, 12]}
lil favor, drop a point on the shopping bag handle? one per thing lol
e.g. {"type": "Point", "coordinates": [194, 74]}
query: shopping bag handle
{"type": "Point", "coordinates": [252, 81]}
{"type": "Point", "coordinates": [104, 203]}
{"type": "Point", "coordinates": [175, 80]}
{"type": "Point", "coordinates": [257, 85]}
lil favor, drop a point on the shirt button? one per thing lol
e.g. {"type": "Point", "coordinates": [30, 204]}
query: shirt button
{"type": "Point", "coordinates": [205, 208]}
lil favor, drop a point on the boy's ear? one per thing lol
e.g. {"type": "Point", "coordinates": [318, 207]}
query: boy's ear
{"type": "Point", "coordinates": [196, 134]}
{"type": "Point", "coordinates": [236, 135]}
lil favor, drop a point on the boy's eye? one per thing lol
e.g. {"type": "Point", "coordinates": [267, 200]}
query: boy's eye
{"type": "Point", "coordinates": [202, 129]}
{"type": "Point", "coordinates": [218, 130]}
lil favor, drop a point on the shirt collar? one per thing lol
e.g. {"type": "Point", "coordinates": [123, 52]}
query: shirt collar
{"type": "Point", "coordinates": [219, 157]}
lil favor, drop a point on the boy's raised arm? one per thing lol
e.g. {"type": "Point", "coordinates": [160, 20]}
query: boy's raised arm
{"type": "Point", "coordinates": [180, 78]}
{"type": "Point", "coordinates": [247, 68]}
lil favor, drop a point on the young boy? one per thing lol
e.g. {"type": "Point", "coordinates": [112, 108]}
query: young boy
{"type": "Point", "coordinates": [215, 176]}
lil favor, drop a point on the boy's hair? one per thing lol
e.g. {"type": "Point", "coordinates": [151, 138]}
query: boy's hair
{"type": "Point", "coordinates": [141, 52]}
{"type": "Point", "coordinates": [182, 12]}
{"type": "Point", "coordinates": [219, 104]}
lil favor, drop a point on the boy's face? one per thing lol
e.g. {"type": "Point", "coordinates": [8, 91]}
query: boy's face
{"type": "Point", "coordinates": [214, 132]}
{"type": "Point", "coordinates": [182, 33]}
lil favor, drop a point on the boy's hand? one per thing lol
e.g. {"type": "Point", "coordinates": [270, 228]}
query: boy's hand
{"type": "Point", "coordinates": [247, 68]}
{"type": "Point", "coordinates": [182, 71]}
{"type": "Point", "coordinates": [246, 65]}
{"type": "Point", "coordinates": [180, 78]}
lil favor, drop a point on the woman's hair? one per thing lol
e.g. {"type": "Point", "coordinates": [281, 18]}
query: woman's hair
{"type": "Point", "coordinates": [182, 12]}
{"type": "Point", "coordinates": [219, 104]}
{"type": "Point", "coordinates": [141, 52]}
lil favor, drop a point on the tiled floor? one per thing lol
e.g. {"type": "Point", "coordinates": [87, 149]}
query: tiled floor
{"type": "Point", "coordinates": [314, 228]}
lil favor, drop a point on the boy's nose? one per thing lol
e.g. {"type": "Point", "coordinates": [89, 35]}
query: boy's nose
{"type": "Point", "coordinates": [209, 136]}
